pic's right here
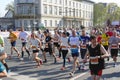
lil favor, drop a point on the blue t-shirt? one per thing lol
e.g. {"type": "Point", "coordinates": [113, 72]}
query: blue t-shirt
{"type": "Point", "coordinates": [85, 39]}
{"type": "Point", "coordinates": [2, 68]}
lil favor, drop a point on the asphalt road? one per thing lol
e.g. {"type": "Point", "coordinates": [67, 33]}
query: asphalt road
{"type": "Point", "coordinates": [49, 71]}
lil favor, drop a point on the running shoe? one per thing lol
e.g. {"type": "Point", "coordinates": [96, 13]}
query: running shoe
{"type": "Point", "coordinates": [63, 68]}
{"type": "Point", "coordinates": [69, 60]}
{"type": "Point", "coordinates": [21, 59]}
{"type": "Point", "coordinates": [41, 62]}
{"type": "Point", "coordinates": [71, 74]}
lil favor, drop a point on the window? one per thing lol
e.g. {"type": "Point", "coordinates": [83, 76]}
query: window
{"type": "Point", "coordinates": [31, 23]}
{"type": "Point", "coordinates": [20, 22]}
{"type": "Point", "coordinates": [36, 10]}
{"type": "Point", "coordinates": [60, 10]}
{"type": "Point", "coordinates": [66, 2]}
{"type": "Point", "coordinates": [80, 6]}
{"type": "Point", "coordinates": [69, 3]}
{"type": "Point", "coordinates": [45, 22]}
{"type": "Point", "coordinates": [56, 23]}
{"type": "Point", "coordinates": [73, 4]}
{"type": "Point", "coordinates": [76, 5]}
{"type": "Point", "coordinates": [45, 9]}
{"type": "Point", "coordinates": [25, 23]}
{"type": "Point", "coordinates": [50, 23]}
{"type": "Point", "coordinates": [80, 13]}
{"type": "Point", "coordinates": [76, 12]}
{"type": "Point", "coordinates": [50, 9]}
{"type": "Point", "coordinates": [60, 1]}
{"type": "Point", "coordinates": [55, 9]}
{"type": "Point", "coordinates": [66, 11]}
{"type": "Point", "coordinates": [69, 11]}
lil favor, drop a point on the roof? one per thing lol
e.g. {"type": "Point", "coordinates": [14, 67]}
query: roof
{"type": "Point", "coordinates": [87, 1]}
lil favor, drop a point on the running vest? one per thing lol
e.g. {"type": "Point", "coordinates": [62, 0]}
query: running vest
{"type": "Point", "coordinates": [95, 63]}
{"type": "Point", "coordinates": [104, 40]}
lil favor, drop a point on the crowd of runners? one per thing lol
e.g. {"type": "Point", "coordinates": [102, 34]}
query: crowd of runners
{"type": "Point", "coordinates": [93, 47]}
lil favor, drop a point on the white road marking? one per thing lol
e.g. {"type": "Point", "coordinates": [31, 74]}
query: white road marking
{"type": "Point", "coordinates": [20, 77]}
{"type": "Point", "coordinates": [78, 76]}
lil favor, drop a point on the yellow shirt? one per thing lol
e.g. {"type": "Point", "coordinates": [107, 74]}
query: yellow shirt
{"type": "Point", "coordinates": [104, 40]}
{"type": "Point", "coordinates": [13, 37]}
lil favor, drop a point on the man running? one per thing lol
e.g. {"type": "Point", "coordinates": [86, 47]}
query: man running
{"type": "Point", "coordinates": [56, 40]}
{"type": "Point", "coordinates": [74, 43]}
{"type": "Point", "coordinates": [95, 53]}
{"type": "Point", "coordinates": [13, 38]}
{"type": "Point", "coordinates": [48, 47]}
{"type": "Point", "coordinates": [83, 46]}
{"type": "Point", "coordinates": [114, 45]}
{"type": "Point", "coordinates": [23, 36]}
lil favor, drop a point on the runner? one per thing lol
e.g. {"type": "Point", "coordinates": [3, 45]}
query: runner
{"type": "Point", "coordinates": [23, 36]}
{"type": "Point", "coordinates": [36, 46]}
{"type": "Point", "coordinates": [104, 41]}
{"type": "Point", "coordinates": [48, 47]}
{"type": "Point", "coordinates": [40, 36]}
{"type": "Point", "coordinates": [74, 42]}
{"type": "Point", "coordinates": [13, 38]}
{"type": "Point", "coordinates": [64, 48]}
{"type": "Point", "coordinates": [83, 46]}
{"type": "Point", "coordinates": [114, 44]}
{"type": "Point", "coordinates": [96, 63]}
{"type": "Point", "coordinates": [3, 55]}
{"type": "Point", "coordinates": [56, 40]}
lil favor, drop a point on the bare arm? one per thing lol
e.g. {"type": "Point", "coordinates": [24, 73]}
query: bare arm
{"type": "Point", "coordinates": [105, 53]}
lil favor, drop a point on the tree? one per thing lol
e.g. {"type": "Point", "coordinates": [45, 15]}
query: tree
{"type": "Point", "coordinates": [10, 7]}
{"type": "Point", "coordinates": [99, 14]}
{"type": "Point", "coordinates": [104, 12]}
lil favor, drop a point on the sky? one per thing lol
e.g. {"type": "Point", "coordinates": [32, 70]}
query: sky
{"type": "Point", "coordinates": [3, 4]}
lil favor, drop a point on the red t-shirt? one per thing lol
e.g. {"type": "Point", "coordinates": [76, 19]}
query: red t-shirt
{"type": "Point", "coordinates": [99, 39]}
{"type": "Point", "coordinates": [109, 33]}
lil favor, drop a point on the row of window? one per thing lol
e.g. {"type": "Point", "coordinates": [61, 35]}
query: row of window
{"type": "Point", "coordinates": [56, 23]}
{"type": "Point", "coordinates": [27, 9]}
{"type": "Point", "coordinates": [56, 10]}
{"type": "Point", "coordinates": [70, 3]}
{"type": "Point", "coordinates": [27, 23]}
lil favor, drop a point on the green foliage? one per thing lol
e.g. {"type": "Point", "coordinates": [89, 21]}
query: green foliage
{"type": "Point", "coordinates": [104, 12]}
{"type": "Point", "coordinates": [10, 7]}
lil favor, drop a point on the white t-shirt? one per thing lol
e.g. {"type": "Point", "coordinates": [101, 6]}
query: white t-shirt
{"type": "Point", "coordinates": [40, 36]}
{"type": "Point", "coordinates": [35, 42]}
{"type": "Point", "coordinates": [64, 42]}
{"type": "Point", "coordinates": [56, 38]}
{"type": "Point", "coordinates": [23, 36]}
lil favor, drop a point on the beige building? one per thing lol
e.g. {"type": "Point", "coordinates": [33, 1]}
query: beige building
{"type": "Point", "coordinates": [53, 13]}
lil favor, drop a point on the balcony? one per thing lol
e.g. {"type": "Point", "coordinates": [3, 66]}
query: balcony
{"type": "Point", "coordinates": [27, 16]}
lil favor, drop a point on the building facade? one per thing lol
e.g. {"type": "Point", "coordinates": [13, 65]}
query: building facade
{"type": "Point", "coordinates": [7, 21]}
{"type": "Point", "coordinates": [53, 13]}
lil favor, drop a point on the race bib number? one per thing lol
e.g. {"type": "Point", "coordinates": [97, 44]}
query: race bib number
{"type": "Point", "coordinates": [46, 45]}
{"type": "Point", "coordinates": [83, 46]}
{"type": "Point", "coordinates": [114, 46]}
{"type": "Point", "coordinates": [94, 60]}
{"type": "Point", "coordinates": [63, 47]}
